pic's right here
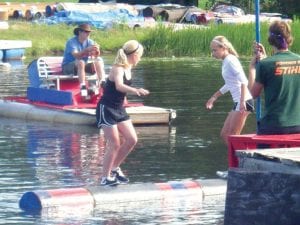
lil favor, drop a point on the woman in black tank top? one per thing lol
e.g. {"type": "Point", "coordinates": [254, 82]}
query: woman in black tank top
{"type": "Point", "coordinates": [112, 117]}
{"type": "Point", "coordinates": [111, 96]}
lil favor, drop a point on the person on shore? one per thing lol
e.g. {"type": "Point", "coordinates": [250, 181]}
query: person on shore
{"type": "Point", "coordinates": [81, 56]}
{"type": "Point", "coordinates": [236, 82]}
{"type": "Point", "coordinates": [112, 117]}
{"type": "Point", "coordinates": [279, 77]}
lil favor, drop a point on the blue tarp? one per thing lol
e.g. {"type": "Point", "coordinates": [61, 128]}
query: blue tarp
{"type": "Point", "coordinates": [100, 20]}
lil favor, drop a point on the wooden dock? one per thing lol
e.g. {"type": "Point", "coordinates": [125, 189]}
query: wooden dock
{"type": "Point", "coordinates": [13, 49]}
{"type": "Point", "coordinates": [14, 44]}
{"type": "Point", "coordinates": [265, 187]}
{"type": "Point", "coordinates": [253, 141]}
{"type": "Point", "coordinates": [277, 159]}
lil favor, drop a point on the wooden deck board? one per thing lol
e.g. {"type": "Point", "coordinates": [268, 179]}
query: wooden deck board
{"type": "Point", "coordinates": [15, 44]}
{"type": "Point", "coordinates": [289, 156]}
{"type": "Point", "coordinates": [139, 114]}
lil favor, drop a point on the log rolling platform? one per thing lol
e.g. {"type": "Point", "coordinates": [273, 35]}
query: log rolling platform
{"type": "Point", "coordinates": [88, 198]}
{"type": "Point", "coordinates": [263, 180]}
{"type": "Point", "coordinates": [252, 141]}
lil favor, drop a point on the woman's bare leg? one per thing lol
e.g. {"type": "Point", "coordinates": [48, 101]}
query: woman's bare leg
{"type": "Point", "coordinates": [233, 124]}
{"type": "Point", "coordinates": [111, 135]}
{"type": "Point", "coordinates": [129, 140]}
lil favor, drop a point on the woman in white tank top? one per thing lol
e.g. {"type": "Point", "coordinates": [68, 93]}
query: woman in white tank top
{"type": "Point", "coordinates": [236, 83]}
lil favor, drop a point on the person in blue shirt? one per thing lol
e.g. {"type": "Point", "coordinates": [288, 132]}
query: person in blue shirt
{"type": "Point", "coordinates": [79, 49]}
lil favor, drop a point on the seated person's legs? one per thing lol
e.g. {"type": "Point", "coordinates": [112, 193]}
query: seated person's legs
{"type": "Point", "coordinates": [80, 64]}
{"type": "Point", "coordinates": [69, 69]}
{"type": "Point", "coordinates": [77, 68]}
{"type": "Point", "coordinates": [99, 67]}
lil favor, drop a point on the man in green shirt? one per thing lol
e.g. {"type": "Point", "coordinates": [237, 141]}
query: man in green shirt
{"type": "Point", "coordinates": [279, 76]}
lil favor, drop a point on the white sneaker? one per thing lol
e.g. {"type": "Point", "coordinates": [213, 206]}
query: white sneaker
{"type": "Point", "coordinates": [222, 174]}
{"type": "Point", "coordinates": [83, 91]}
{"type": "Point", "coordinates": [119, 175]}
{"type": "Point", "coordinates": [105, 181]}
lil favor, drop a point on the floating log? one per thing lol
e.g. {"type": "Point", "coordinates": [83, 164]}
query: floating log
{"type": "Point", "coordinates": [90, 197]}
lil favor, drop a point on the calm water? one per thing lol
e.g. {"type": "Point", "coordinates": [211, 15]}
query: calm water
{"type": "Point", "coordinates": [36, 155]}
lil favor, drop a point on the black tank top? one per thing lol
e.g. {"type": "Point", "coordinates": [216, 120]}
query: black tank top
{"type": "Point", "coordinates": [111, 96]}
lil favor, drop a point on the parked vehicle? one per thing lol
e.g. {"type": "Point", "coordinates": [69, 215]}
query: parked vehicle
{"type": "Point", "coordinates": [225, 13]}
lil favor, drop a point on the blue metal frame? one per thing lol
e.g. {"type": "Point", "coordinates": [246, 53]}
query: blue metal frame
{"type": "Point", "coordinates": [257, 29]}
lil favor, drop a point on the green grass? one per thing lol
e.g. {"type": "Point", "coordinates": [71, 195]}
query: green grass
{"type": "Point", "coordinates": [195, 42]}
{"type": "Point", "coordinates": [202, 4]}
{"type": "Point", "coordinates": [50, 39]}
{"type": "Point", "coordinates": [159, 41]}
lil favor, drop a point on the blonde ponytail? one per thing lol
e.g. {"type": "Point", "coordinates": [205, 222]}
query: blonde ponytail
{"type": "Point", "coordinates": [129, 48]}
{"type": "Point", "coordinates": [121, 58]}
{"type": "Point", "coordinates": [223, 42]}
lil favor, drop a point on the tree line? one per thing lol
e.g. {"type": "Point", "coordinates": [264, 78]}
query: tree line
{"type": "Point", "coordinates": [289, 8]}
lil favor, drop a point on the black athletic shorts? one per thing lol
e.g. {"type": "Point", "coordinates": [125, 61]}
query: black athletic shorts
{"type": "Point", "coordinates": [109, 116]}
{"type": "Point", "coordinates": [249, 106]}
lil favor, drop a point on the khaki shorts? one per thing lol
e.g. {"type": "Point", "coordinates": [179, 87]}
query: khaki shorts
{"type": "Point", "coordinates": [71, 68]}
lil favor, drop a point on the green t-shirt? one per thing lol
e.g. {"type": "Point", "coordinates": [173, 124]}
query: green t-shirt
{"type": "Point", "coordinates": [280, 76]}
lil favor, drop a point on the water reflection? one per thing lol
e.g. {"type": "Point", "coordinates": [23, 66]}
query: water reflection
{"type": "Point", "coordinates": [77, 154]}
{"type": "Point", "coordinates": [37, 156]}
{"type": "Point", "coordinates": [50, 157]}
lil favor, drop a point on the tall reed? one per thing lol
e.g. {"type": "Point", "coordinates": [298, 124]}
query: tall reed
{"type": "Point", "coordinates": [158, 41]}
{"type": "Point", "coordinates": [195, 42]}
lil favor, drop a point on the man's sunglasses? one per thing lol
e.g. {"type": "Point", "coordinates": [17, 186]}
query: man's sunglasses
{"type": "Point", "coordinates": [85, 31]}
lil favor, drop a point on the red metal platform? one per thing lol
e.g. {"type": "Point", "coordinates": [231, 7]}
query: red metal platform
{"type": "Point", "coordinates": [250, 141]}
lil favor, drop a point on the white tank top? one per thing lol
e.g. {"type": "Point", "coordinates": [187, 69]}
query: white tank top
{"type": "Point", "coordinates": [234, 76]}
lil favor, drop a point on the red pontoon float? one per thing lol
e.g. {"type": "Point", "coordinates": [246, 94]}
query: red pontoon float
{"type": "Point", "coordinates": [54, 97]}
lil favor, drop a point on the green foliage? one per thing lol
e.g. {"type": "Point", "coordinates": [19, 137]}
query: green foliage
{"type": "Point", "coordinates": [164, 41]}
{"type": "Point", "coordinates": [45, 39]}
{"type": "Point", "coordinates": [286, 7]}
{"type": "Point", "coordinates": [196, 42]}
{"type": "Point", "coordinates": [114, 38]}
{"type": "Point", "coordinates": [159, 41]}
{"type": "Point", "coordinates": [203, 4]}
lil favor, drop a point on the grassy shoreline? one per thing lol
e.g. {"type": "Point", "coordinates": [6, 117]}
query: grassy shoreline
{"type": "Point", "coordinates": [160, 41]}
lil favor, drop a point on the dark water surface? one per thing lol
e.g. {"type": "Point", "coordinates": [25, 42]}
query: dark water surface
{"type": "Point", "coordinates": [35, 155]}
